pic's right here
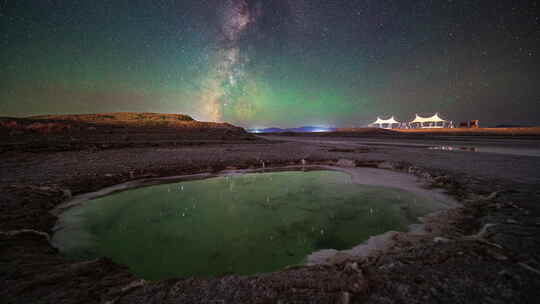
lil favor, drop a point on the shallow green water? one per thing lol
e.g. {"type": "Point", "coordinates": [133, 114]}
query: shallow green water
{"type": "Point", "coordinates": [241, 224]}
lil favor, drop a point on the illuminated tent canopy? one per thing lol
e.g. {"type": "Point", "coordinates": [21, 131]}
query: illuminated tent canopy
{"type": "Point", "coordinates": [386, 123]}
{"type": "Point", "coordinates": [429, 122]}
{"type": "Point", "coordinates": [418, 122]}
{"type": "Point", "coordinates": [434, 118]}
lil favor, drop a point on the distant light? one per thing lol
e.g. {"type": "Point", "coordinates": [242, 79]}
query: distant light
{"type": "Point", "coordinates": [320, 130]}
{"type": "Point", "coordinates": [302, 129]}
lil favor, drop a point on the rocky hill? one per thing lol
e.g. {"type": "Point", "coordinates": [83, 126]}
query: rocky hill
{"type": "Point", "coordinates": [112, 130]}
{"type": "Point", "coordinates": [118, 117]}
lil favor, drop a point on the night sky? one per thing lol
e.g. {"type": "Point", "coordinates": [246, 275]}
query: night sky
{"type": "Point", "coordinates": [261, 63]}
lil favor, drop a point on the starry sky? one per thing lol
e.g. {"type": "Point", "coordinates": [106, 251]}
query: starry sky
{"type": "Point", "coordinates": [261, 63]}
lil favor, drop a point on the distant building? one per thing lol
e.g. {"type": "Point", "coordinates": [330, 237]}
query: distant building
{"type": "Point", "coordinates": [430, 122]}
{"type": "Point", "coordinates": [389, 123]}
{"type": "Point", "coordinates": [470, 124]}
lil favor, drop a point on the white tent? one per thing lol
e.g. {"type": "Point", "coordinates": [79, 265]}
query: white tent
{"type": "Point", "coordinates": [386, 123]}
{"type": "Point", "coordinates": [429, 122]}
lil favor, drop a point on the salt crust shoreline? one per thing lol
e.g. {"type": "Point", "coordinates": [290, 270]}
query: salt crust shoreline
{"type": "Point", "coordinates": [359, 175]}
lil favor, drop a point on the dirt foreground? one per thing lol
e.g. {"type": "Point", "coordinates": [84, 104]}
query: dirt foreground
{"type": "Point", "coordinates": [487, 251]}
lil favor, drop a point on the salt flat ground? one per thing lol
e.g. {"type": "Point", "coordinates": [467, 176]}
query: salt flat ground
{"type": "Point", "coordinates": [489, 251]}
{"type": "Point", "coordinates": [515, 146]}
{"type": "Point", "coordinates": [494, 157]}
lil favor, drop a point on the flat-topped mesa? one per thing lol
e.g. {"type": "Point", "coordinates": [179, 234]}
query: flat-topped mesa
{"type": "Point", "coordinates": [123, 129]}
{"type": "Point", "coordinates": [99, 120]}
{"type": "Point", "coordinates": [165, 122]}
{"type": "Point", "coordinates": [117, 117]}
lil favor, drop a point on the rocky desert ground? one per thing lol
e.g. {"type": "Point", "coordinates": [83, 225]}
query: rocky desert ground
{"type": "Point", "coordinates": [486, 251]}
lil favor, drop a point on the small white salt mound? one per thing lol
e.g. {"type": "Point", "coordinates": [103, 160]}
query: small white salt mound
{"type": "Point", "coordinates": [347, 163]}
{"type": "Point", "coordinates": [320, 257]}
{"type": "Point", "coordinates": [328, 256]}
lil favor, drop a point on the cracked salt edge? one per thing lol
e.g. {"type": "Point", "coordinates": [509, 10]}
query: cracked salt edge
{"type": "Point", "coordinates": [359, 175]}
{"type": "Point", "coordinates": [391, 179]}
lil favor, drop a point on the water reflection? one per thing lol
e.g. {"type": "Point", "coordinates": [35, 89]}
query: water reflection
{"type": "Point", "coordinates": [240, 223]}
{"type": "Point", "coordinates": [522, 151]}
{"type": "Point", "coordinates": [453, 148]}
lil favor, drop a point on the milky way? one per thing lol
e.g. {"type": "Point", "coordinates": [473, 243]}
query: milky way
{"type": "Point", "coordinates": [228, 63]}
{"type": "Point", "coordinates": [258, 63]}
